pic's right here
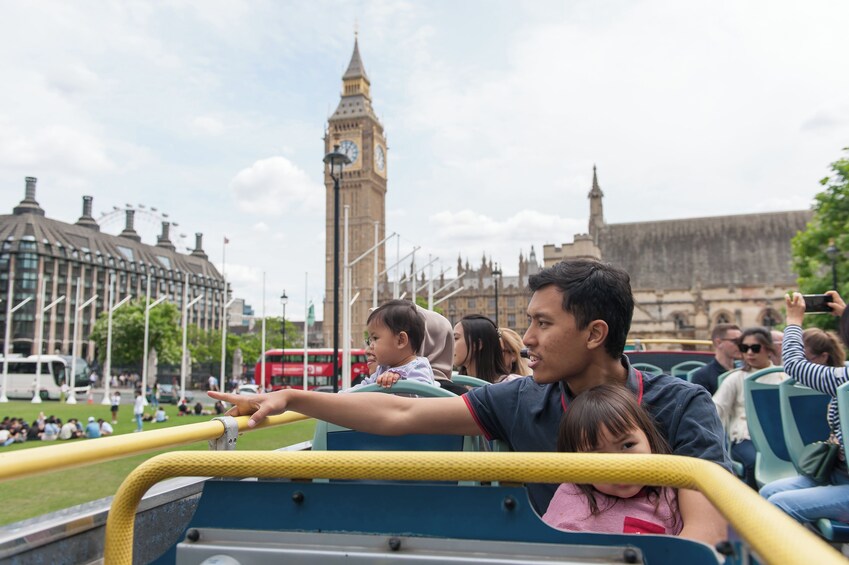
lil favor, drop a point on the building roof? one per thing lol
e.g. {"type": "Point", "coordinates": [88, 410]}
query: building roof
{"type": "Point", "coordinates": [77, 242]}
{"type": "Point", "coordinates": [356, 69]}
{"type": "Point", "coordinates": [747, 249]}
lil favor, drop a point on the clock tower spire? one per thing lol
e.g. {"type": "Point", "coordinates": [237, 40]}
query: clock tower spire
{"type": "Point", "coordinates": [354, 126]}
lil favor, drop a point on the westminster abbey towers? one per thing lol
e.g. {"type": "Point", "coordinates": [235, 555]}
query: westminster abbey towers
{"type": "Point", "coordinates": [359, 134]}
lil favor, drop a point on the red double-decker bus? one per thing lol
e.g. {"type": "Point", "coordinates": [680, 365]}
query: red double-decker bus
{"type": "Point", "coordinates": [284, 368]}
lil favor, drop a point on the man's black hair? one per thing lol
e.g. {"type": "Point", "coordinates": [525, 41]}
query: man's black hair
{"type": "Point", "coordinates": [401, 316]}
{"type": "Point", "coordinates": [593, 290]}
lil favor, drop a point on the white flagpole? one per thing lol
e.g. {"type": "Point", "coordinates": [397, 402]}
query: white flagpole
{"type": "Point", "coordinates": [306, 325]}
{"type": "Point", "coordinates": [264, 383]}
{"type": "Point", "coordinates": [223, 372]}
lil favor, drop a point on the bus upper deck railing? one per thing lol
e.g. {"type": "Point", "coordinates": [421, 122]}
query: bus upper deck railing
{"type": "Point", "coordinates": [773, 535]}
{"type": "Point", "coordinates": [46, 459]}
{"type": "Point", "coordinates": [657, 341]}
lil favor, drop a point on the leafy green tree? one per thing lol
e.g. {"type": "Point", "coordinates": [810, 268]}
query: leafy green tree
{"type": "Point", "coordinates": [128, 333]}
{"type": "Point", "coordinates": [828, 225]}
{"type": "Point", "coordinates": [251, 343]}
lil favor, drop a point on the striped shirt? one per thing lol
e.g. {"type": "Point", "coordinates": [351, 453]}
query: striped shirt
{"type": "Point", "coordinates": [818, 377]}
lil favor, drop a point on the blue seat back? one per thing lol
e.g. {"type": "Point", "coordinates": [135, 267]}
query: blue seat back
{"type": "Point", "coordinates": [843, 410]}
{"type": "Point", "coordinates": [330, 437]}
{"type": "Point", "coordinates": [803, 417]}
{"type": "Point", "coordinates": [721, 378]}
{"type": "Point", "coordinates": [466, 380]}
{"type": "Point", "coordinates": [763, 414]}
{"type": "Point", "coordinates": [684, 368]}
{"type": "Point", "coordinates": [648, 368]}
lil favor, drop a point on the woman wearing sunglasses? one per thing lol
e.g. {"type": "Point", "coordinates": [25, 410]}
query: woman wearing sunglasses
{"type": "Point", "coordinates": [756, 346]}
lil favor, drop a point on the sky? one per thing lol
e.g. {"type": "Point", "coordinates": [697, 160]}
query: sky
{"type": "Point", "coordinates": [495, 112]}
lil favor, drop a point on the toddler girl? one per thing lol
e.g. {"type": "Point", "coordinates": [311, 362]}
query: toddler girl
{"type": "Point", "coordinates": [607, 419]}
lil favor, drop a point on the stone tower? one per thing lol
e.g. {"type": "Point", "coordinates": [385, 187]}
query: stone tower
{"type": "Point", "coordinates": [355, 128]}
{"type": "Point", "coordinates": [596, 208]}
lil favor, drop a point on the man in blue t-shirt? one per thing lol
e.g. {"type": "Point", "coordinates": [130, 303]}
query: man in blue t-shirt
{"type": "Point", "coordinates": [579, 317]}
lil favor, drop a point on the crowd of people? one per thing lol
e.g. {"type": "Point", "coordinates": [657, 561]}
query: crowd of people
{"type": "Point", "coordinates": [51, 428]}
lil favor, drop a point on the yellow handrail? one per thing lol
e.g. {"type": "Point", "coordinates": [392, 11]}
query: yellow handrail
{"type": "Point", "coordinates": [705, 342]}
{"type": "Point", "coordinates": [47, 459]}
{"type": "Point", "coordinates": [773, 535]}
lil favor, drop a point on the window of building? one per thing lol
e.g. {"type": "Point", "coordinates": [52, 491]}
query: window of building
{"type": "Point", "coordinates": [511, 320]}
{"type": "Point", "coordinates": [511, 301]}
{"type": "Point", "coordinates": [471, 303]}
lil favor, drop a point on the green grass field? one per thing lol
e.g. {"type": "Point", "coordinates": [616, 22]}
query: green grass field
{"type": "Point", "coordinates": [28, 497]}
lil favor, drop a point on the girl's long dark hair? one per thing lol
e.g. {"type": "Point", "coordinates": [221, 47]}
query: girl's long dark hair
{"type": "Point", "coordinates": [613, 408]}
{"type": "Point", "coordinates": [484, 347]}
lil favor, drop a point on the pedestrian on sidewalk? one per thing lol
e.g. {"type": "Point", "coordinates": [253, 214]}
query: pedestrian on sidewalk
{"type": "Point", "coordinates": [138, 410]}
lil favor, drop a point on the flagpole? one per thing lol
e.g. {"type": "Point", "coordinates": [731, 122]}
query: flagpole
{"type": "Point", "coordinates": [223, 318]}
{"type": "Point", "coordinates": [306, 324]}
{"type": "Point", "coordinates": [264, 383]}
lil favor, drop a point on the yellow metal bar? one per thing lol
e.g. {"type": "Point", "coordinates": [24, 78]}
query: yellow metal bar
{"type": "Point", "coordinates": [773, 535]}
{"type": "Point", "coordinates": [705, 342]}
{"type": "Point", "coordinates": [46, 459]}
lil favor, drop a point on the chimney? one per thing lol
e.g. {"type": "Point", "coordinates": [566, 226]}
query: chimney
{"type": "Point", "coordinates": [86, 220]}
{"type": "Point", "coordinates": [130, 232]}
{"type": "Point", "coordinates": [164, 240]}
{"type": "Point", "coordinates": [198, 252]}
{"type": "Point", "coordinates": [29, 205]}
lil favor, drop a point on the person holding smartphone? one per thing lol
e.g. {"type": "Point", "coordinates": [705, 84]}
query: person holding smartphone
{"type": "Point", "coordinates": [801, 497]}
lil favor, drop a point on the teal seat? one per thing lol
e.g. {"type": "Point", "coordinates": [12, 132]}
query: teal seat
{"type": "Point", "coordinates": [803, 417]}
{"type": "Point", "coordinates": [763, 414]}
{"type": "Point", "coordinates": [330, 437]}
{"type": "Point", "coordinates": [466, 380]}
{"type": "Point", "coordinates": [721, 377]}
{"type": "Point", "coordinates": [684, 368]}
{"type": "Point", "coordinates": [648, 368]}
{"type": "Point", "coordinates": [832, 530]}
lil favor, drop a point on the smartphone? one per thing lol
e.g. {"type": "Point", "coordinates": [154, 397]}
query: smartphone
{"type": "Point", "coordinates": [816, 303]}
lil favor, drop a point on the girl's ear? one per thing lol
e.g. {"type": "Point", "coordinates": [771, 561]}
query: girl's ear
{"type": "Point", "coordinates": [402, 340]}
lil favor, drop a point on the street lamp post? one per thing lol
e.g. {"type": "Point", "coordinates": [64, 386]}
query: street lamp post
{"type": "Point", "coordinates": [9, 311]}
{"type": "Point", "coordinates": [496, 274]}
{"type": "Point", "coordinates": [336, 160]}
{"type": "Point", "coordinates": [832, 253]}
{"type": "Point", "coordinates": [283, 300]}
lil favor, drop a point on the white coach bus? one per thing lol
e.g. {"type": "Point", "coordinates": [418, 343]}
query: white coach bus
{"type": "Point", "coordinates": [55, 369]}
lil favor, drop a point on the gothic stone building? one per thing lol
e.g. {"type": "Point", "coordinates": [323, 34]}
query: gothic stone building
{"type": "Point", "coordinates": [690, 274]}
{"type": "Point", "coordinates": [62, 256]}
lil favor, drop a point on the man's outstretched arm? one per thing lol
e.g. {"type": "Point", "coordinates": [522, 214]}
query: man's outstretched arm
{"type": "Point", "coordinates": [374, 412]}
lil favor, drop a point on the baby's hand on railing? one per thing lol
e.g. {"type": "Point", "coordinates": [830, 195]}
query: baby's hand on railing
{"type": "Point", "coordinates": [388, 379]}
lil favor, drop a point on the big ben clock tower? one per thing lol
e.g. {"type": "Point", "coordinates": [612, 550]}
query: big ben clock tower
{"type": "Point", "coordinates": [359, 134]}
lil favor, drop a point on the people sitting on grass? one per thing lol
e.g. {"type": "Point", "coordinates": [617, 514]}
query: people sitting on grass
{"type": "Point", "coordinates": [92, 428]}
{"type": "Point", "coordinates": [105, 427]}
{"type": "Point", "coordinates": [160, 415]}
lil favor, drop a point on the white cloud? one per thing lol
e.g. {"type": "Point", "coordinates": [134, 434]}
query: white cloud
{"type": "Point", "coordinates": [208, 125]}
{"type": "Point", "coordinates": [261, 227]}
{"type": "Point", "coordinates": [276, 186]}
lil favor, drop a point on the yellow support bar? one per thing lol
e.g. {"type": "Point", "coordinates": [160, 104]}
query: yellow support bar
{"type": "Point", "coordinates": [653, 341]}
{"type": "Point", "coordinates": [773, 535]}
{"type": "Point", "coordinates": [30, 462]}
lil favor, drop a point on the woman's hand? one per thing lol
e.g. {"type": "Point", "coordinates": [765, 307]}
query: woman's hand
{"type": "Point", "coordinates": [837, 305]}
{"type": "Point", "coordinates": [795, 308]}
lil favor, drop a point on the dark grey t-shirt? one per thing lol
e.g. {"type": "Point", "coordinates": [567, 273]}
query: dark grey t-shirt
{"type": "Point", "coordinates": [527, 416]}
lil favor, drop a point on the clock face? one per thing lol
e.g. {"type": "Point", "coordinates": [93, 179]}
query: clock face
{"type": "Point", "coordinates": [380, 158]}
{"type": "Point", "coordinates": [350, 149]}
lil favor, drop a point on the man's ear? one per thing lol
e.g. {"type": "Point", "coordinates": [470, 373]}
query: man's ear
{"type": "Point", "coordinates": [597, 335]}
{"type": "Point", "coordinates": [402, 339]}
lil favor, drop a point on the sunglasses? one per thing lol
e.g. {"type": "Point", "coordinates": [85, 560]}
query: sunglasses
{"type": "Point", "coordinates": [756, 348]}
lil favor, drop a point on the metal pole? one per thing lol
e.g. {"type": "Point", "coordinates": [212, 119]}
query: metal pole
{"type": "Point", "coordinates": [77, 309]}
{"type": "Point", "coordinates": [263, 382]}
{"type": "Point", "coordinates": [36, 398]}
{"type": "Point", "coordinates": [430, 285]}
{"type": "Point", "coordinates": [335, 282]}
{"type": "Point", "coordinates": [306, 323]}
{"type": "Point", "coordinates": [146, 329]}
{"type": "Point", "coordinates": [185, 328]}
{"type": "Point", "coordinates": [346, 301]}
{"type": "Point", "coordinates": [376, 256]}
{"type": "Point", "coordinates": [224, 343]}
{"type": "Point", "coordinates": [397, 267]}
{"type": "Point", "coordinates": [834, 273]}
{"type": "Point", "coordinates": [9, 311]}
{"type": "Point", "coordinates": [413, 270]}
{"type": "Point", "coordinates": [107, 367]}
{"type": "Point", "coordinates": [496, 302]}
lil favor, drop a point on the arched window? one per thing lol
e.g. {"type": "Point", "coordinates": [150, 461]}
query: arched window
{"type": "Point", "coordinates": [723, 318]}
{"type": "Point", "coordinates": [770, 318]}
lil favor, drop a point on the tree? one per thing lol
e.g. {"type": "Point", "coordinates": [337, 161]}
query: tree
{"type": "Point", "coordinates": [128, 333]}
{"type": "Point", "coordinates": [828, 224]}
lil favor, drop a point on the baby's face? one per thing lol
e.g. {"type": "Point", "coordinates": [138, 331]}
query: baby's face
{"type": "Point", "coordinates": [384, 344]}
{"type": "Point", "coordinates": [635, 441]}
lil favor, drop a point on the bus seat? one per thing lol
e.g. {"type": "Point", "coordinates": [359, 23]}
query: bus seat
{"type": "Point", "coordinates": [330, 437]}
{"type": "Point", "coordinates": [466, 380]}
{"type": "Point", "coordinates": [648, 368]}
{"type": "Point", "coordinates": [803, 417]}
{"type": "Point", "coordinates": [832, 530]}
{"type": "Point", "coordinates": [721, 377]}
{"type": "Point", "coordinates": [682, 370]}
{"type": "Point", "coordinates": [763, 414]}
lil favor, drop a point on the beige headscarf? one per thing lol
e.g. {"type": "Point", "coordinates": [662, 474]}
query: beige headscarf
{"type": "Point", "coordinates": [438, 344]}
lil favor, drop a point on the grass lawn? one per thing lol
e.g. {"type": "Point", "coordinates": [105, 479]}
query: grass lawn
{"type": "Point", "coordinates": [29, 497]}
